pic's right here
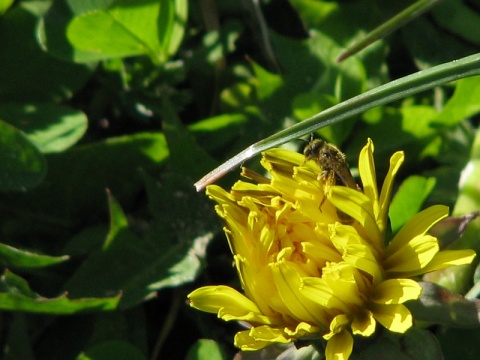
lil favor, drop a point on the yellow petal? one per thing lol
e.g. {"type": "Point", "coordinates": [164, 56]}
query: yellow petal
{"type": "Point", "coordinates": [415, 255]}
{"type": "Point", "coordinates": [302, 329]}
{"type": "Point", "coordinates": [359, 207]}
{"type": "Point", "coordinates": [228, 303]}
{"type": "Point", "coordinates": [364, 324]}
{"type": "Point", "coordinates": [396, 291]}
{"type": "Point", "coordinates": [445, 259]}
{"type": "Point", "coordinates": [396, 160]}
{"type": "Point", "coordinates": [396, 317]}
{"type": "Point", "coordinates": [287, 279]}
{"type": "Point", "coordinates": [339, 347]}
{"type": "Point", "coordinates": [270, 334]}
{"type": "Point", "coordinates": [337, 325]}
{"type": "Point", "coordinates": [246, 342]}
{"type": "Point", "coordinates": [318, 291]}
{"type": "Point", "coordinates": [355, 250]}
{"type": "Point", "coordinates": [366, 168]}
{"type": "Point", "coordinates": [418, 225]}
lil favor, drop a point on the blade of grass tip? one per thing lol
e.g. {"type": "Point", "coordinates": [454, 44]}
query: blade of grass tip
{"type": "Point", "coordinates": [394, 90]}
{"type": "Point", "coordinates": [403, 17]}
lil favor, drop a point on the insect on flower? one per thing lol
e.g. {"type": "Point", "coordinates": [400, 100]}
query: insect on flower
{"type": "Point", "coordinates": [335, 170]}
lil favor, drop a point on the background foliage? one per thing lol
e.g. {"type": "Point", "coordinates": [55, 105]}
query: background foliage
{"type": "Point", "coordinates": [110, 110]}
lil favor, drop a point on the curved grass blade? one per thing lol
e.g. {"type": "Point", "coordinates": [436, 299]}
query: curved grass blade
{"type": "Point", "coordinates": [402, 18]}
{"type": "Point", "coordinates": [394, 90]}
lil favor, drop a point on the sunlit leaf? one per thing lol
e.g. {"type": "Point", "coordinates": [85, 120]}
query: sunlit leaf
{"type": "Point", "coordinates": [13, 257]}
{"type": "Point", "coordinates": [50, 127]}
{"type": "Point", "coordinates": [16, 295]}
{"type": "Point", "coordinates": [127, 28]}
{"type": "Point", "coordinates": [408, 200]}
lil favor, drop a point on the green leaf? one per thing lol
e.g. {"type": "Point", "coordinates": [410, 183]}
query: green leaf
{"type": "Point", "coordinates": [218, 132]}
{"type": "Point", "coordinates": [22, 166]}
{"type": "Point", "coordinates": [172, 24]}
{"type": "Point", "coordinates": [464, 102]}
{"type": "Point", "coordinates": [409, 199]}
{"type": "Point", "coordinates": [72, 194]}
{"type": "Point", "coordinates": [51, 127]}
{"type": "Point", "coordinates": [5, 5]}
{"type": "Point", "coordinates": [13, 257]}
{"type": "Point", "coordinates": [205, 350]}
{"type": "Point", "coordinates": [130, 27]}
{"type": "Point", "coordinates": [27, 73]}
{"type": "Point", "coordinates": [114, 349]}
{"type": "Point", "coordinates": [437, 305]}
{"type": "Point", "coordinates": [137, 267]}
{"type": "Point", "coordinates": [16, 295]}
{"type": "Point", "coordinates": [409, 128]}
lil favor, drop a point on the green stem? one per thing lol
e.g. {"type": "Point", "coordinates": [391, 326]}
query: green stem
{"type": "Point", "coordinates": [405, 16]}
{"type": "Point", "coordinates": [394, 90]}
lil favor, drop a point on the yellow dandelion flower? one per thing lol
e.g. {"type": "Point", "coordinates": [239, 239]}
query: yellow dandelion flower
{"type": "Point", "coordinates": [305, 271]}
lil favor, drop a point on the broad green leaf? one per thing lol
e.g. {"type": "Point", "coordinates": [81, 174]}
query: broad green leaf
{"type": "Point", "coordinates": [438, 305]}
{"type": "Point", "coordinates": [17, 258]}
{"type": "Point", "coordinates": [464, 102]}
{"type": "Point", "coordinates": [16, 295]}
{"type": "Point", "coordinates": [50, 127]}
{"type": "Point", "coordinates": [172, 23]}
{"type": "Point", "coordinates": [86, 241]}
{"type": "Point", "coordinates": [342, 24]}
{"type": "Point", "coordinates": [408, 200]}
{"type": "Point", "coordinates": [114, 349]}
{"type": "Point", "coordinates": [205, 350]}
{"type": "Point", "coordinates": [5, 5]}
{"type": "Point", "coordinates": [137, 267]}
{"type": "Point", "coordinates": [52, 32]}
{"type": "Point", "coordinates": [74, 189]}
{"type": "Point", "coordinates": [27, 73]}
{"type": "Point", "coordinates": [130, 27]}
{"type": "Point", "coordinates": [22, 166]}
{"type": "Point", "coordinates": [186, 157]}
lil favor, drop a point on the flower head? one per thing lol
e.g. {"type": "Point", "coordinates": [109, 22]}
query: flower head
{"type": "Point", "coordinates": [313, 259]}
